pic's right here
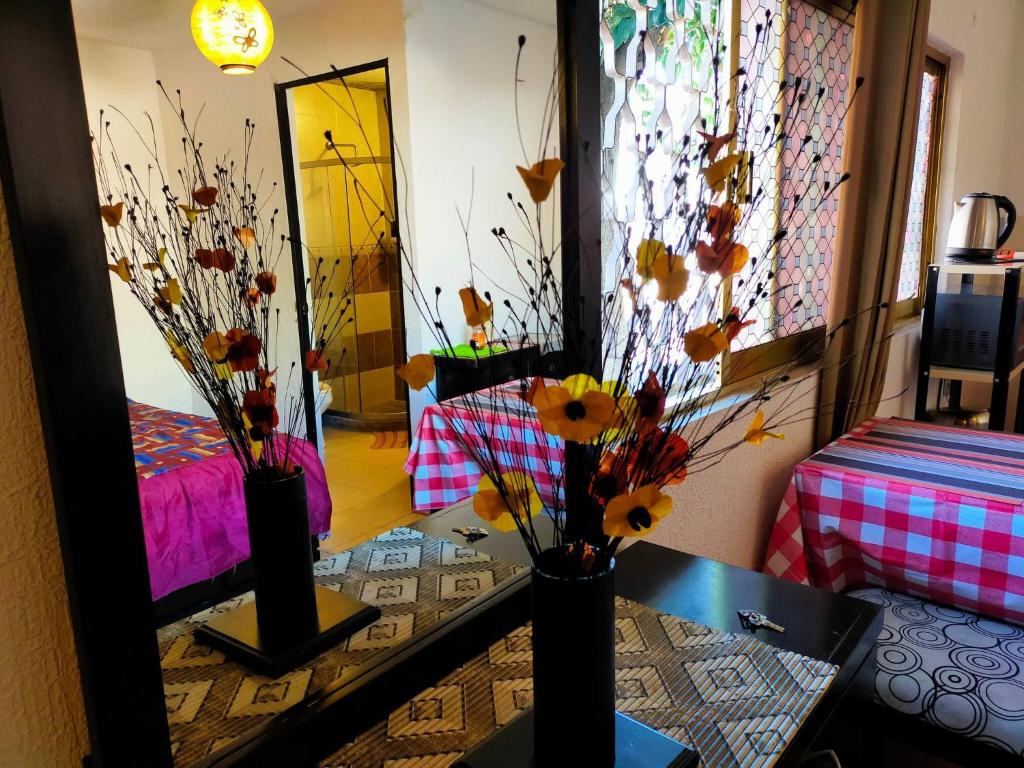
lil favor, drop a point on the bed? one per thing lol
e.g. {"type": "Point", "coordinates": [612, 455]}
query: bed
{"type": "Point", "coordinates": [190, 491]}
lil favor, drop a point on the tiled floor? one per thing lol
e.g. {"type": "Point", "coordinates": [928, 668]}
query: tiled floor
{"type": "Point", "coordinates": [369, 489]}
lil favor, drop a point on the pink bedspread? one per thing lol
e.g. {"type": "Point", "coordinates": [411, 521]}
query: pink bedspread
{"type": "Point", "coordinates": [190, 490]}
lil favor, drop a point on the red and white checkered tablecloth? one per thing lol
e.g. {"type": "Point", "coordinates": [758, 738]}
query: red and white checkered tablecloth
{"type": "Point", "coordinates": [442, 470]}
{"type": "Point", "coordinates": [932, 511]}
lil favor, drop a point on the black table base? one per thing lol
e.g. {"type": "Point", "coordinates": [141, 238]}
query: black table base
{"type": "Point", "coordinates": [636, 746]}
{"type": "Point", "coordinates": [236, 634]}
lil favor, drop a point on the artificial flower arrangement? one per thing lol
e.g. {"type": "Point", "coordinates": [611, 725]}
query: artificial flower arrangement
{"type": "Point", "coordinates": [200, 254]}
{"type": "Point", "coordinates": [643, 416]}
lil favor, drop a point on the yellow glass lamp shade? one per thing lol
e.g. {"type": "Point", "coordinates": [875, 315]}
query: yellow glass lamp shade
{"type": "Point", "coordinates": [236, 35]}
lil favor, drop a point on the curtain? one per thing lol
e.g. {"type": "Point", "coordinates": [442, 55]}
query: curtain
{"type": "Point", "coordinates": [889, 53]}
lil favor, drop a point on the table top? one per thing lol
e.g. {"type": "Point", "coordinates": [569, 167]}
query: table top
{"type": "Point", "coordinates": [923, 509]}
{"type": "Point", "coordinates": [981, 464]}
{"type": "Point", "coordinates": [833, 628]}
{"type": "Point", "coordinates": [823, 625]}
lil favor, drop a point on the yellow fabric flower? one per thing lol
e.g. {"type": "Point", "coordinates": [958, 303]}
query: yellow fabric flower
{"type": "Point", "coordinates": [122, 268]}
{"type": "Point", "coordinates": [647, 253]}
{"type": "Point", "coordinates": [718, 172]}
{"type": "Point", "coordinates": [577, 410]}
{"type": "Point", "coordinates": [179, 352]}
{"type": "Point", "coordinates": [623, 413]}
{"type": "Point", "coordinates": [671, 275]}
{"type": "Point", "coordinates": [517, 498]}
{"type": "Point", "coordinates": [705, 343]}
{"type": "Point", "coordinates": [637, 513]}
{"type": "Point", "coordinates": [756, 433]}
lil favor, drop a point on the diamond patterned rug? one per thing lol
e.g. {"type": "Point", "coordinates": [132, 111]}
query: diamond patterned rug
{"type": "Point", "coordinates": [417, 580]}
{"type": "Point", "coordinates": [737, 700]}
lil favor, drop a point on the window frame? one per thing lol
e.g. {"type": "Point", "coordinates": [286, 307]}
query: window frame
{"type": "Point", "coordinates": [935, 63]}
{"type": "Point", "coordinates": [741, 364]}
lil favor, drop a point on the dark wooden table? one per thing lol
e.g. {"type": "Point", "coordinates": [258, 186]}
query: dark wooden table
{"type": "Point", "coordinates": [823, 625]}
{"type": "Point", "coordinates": [838, 629]}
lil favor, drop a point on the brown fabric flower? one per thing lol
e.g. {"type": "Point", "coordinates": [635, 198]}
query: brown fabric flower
{"type": "Point", "coordinates": [261, 408]}
{"type": "Point", "coordinates": [218, 258]}
{"type": "Point", "coordinates": [266, 282]}
{"type": "Point", "coordinates": [243, 350]}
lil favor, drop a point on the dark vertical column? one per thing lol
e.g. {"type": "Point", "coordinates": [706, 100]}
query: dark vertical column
{"type": "Point", "coordinates": [309, 394]}
{"type": "Point", "coordinates": [53, 208]}
{"type": "Point", "coordinates": [1006, 348]}
{"type": "Point", "coordinates": [924, 354]}
{"type": "Point", "coordinates": [580, 141]}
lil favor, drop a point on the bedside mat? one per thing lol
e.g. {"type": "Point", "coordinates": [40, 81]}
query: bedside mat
{"type": "Point", "coordinates": [737, 700]}
{"type": "Point", "coordinates": [415, 579]}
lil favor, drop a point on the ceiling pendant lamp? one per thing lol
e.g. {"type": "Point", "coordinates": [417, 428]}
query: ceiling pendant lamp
{"type": "Point", "coordinates": [236, 35]}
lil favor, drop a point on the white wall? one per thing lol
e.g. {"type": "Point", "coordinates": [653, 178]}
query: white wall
{"type": "Point", "coordinates": [981, 152]}
{"type": "Point", "coordinates": [125, 77]}
{"type": "Point", "coordinates": [981, 149]}
{"type": "Point", "coordinates": [464, 139]}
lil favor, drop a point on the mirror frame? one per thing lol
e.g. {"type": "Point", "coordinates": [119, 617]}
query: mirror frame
{"type": "Point", "coordinates": [49, 189]}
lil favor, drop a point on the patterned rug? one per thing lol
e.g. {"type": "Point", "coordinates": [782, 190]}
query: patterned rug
{"type": "Point", "coordinates": [416, 580]}
{"type": "Point", "coordinates": [737, 700]}
{"type": "Point", "coordinates": [389, 440]}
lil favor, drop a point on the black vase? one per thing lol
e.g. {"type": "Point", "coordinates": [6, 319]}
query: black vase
{"type": "Point", "coordinates": [573, 663]}
{"type": "Point", "coordinates": [282, 558]}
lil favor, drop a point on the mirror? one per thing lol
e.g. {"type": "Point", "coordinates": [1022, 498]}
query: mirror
{"type": "Point", "coordinates": [420, 99]}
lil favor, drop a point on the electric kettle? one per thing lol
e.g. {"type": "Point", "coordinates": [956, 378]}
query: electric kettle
{"type": "Point", "coordinates": [975, 231]}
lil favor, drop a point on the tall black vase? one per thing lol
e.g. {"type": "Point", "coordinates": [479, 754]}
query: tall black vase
{"type": "Point", "coordinates": [573, 664]}
{"type": "Point", "coordinates": [282, 558]}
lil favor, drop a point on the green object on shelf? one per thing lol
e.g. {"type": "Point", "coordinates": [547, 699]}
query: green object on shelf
{"type": "Point", "coordinates": [464, 350]}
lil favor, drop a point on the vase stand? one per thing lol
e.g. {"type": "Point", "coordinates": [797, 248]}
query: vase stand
{"type": "Point", "coordinates": [636, 746]}
{"type": "Point", "coordinates": [236, 634]}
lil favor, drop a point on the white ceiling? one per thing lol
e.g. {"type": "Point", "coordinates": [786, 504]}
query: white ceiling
{"type": "Point", "coordinates": [155, 24]}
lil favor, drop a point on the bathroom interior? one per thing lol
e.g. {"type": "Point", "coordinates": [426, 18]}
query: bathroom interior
{"type": "Point", "coordinates": [362, 402]}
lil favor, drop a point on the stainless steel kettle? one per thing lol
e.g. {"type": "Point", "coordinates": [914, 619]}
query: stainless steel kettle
{"type": "Point", "coordinates": [975, 231]}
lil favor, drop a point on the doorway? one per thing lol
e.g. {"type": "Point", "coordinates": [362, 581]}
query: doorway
{"type": "Point", "coordinates": [344, 199]}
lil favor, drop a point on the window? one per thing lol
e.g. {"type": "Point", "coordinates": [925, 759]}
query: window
{"type": "Point", "coordinates": [919, 234]}
{"type": "Point", "coordinates": [809, 39]}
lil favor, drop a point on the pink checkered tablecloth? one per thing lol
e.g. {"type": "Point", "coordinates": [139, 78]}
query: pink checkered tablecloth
{"type": "Point", "coordinates": [927, 510]}
{"type": "Point", "coordinates": [443, 472]}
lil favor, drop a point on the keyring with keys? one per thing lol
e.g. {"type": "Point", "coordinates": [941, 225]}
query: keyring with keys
{"type": "Point", "coordinates": [756, 620]}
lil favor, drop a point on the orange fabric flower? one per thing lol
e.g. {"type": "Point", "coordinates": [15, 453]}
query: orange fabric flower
{"type": "Point", "coordinates": [540, 177]}
{"type": "Point", "coordinates": [244, 235]}
{"type": "Point", "coordinates": [111, 214]}
{"type": "Point", "coordinates": [722, 221]}
{"type": "Point", "coordinates": [476, 310]}
{"type": "Point", "coordinates": [705, 343]}
{"type": "Point", "coordinates": [216, 346]}
{"type": "Point", "coordinates": [716, 143]}
{"type": "Point", "coordinates": [732, 325]}
{"type": "Point", "coordinates": [418, 372]}
{"type": "Point", "coordinates": [316, 362]}
{"type": "Point", "coordinates": [671, 275]}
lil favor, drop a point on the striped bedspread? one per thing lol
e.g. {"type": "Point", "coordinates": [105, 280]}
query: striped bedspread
{"type": "Point", "coordinates": [919, 508]}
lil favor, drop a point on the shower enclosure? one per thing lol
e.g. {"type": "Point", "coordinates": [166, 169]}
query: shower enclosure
{"type": "Point", "coordinates": [346, 204]}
